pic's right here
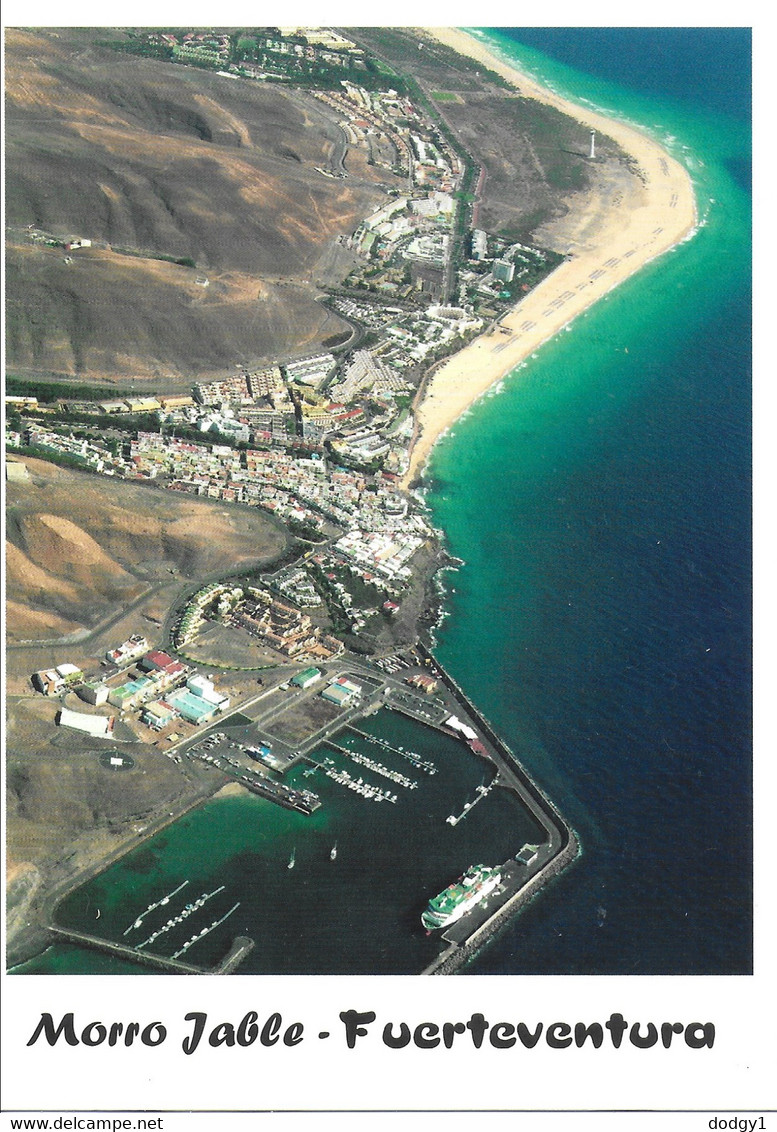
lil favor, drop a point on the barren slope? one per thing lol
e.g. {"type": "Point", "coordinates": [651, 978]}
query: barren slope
{"type": "Point", "coordinates": [79, 547]}
{"type": "Point", "coordinates": [167, 160]}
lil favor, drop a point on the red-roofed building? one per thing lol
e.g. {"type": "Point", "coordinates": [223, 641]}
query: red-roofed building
{"type": "Point", "coordinates": [156, 659]}
{"type": "Point", "coordinates": [426, 683]}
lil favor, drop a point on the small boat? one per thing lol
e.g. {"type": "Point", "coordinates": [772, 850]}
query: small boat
{"type": "Point", "coordinates": [333, 852]}
{"type": "Point", "coordinates": [292, 859]}
{"type": "Point", "coordinates": [97, 917]}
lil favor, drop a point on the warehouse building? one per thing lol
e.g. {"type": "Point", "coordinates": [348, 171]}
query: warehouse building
{"type": "Point", "coordinates": [193, 709]}
{"type": "Point", "coordinates": [100, 726]}
{"type": "Point", "coordinates": [200, 686]}
{"type": "Point", "coordinates": [341, 691]}
{"type": "Point", "coordinates": [336, 695]}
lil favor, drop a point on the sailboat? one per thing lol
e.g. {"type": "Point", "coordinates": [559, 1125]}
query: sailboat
{"type": "Point", "coordinates": [333, 852]}
{"type": "Point", "coordinates": [292, 858]}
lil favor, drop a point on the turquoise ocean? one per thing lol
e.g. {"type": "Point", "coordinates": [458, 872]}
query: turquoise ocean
{"type": "Point", "coordinates": [599, 498]}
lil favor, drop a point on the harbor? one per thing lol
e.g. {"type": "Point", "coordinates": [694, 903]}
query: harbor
{"type": "Point", "coordinates": [294, 855]}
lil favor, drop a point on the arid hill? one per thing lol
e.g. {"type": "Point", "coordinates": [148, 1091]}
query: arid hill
{"type": "Point", "coordinates": [150, 159]}
{"type": "Point", "coordinates": [81, 548]}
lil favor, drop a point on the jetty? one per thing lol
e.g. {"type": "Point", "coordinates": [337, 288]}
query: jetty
{"type": "Point", "coordinates": [156, 904]}
{"type": "Point", "coordinates": [481, 793]}
{"type": "Point", "coordinates": [520, 884]}
{"type": "Point", "coordinates": [375, 767]}
{"type": "Point", "coordinates": [240, 948]}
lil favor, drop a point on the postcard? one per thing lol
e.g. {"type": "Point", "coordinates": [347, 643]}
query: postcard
{"type": "Point", "coordinates": [379, 635]}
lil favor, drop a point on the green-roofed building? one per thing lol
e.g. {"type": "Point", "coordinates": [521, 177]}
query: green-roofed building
{"type": "Point", "coordinates": [306, 677]}
{"type": "Point", "coordinates": [194, 709]}
{"type": "Point", "coordinates": [131, 693]}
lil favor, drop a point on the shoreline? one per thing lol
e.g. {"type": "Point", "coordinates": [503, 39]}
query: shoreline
{"type": "Point", "coordinates": [607, 245]}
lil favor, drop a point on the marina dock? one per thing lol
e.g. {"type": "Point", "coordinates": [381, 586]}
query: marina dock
{"type": "Point", "coordinates": [240, 950]}
{"type": "Point", "coordinates": [481, 793]}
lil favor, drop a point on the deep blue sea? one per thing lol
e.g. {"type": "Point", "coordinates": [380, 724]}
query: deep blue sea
{"type": "Point", "coordinates": [600, 498]}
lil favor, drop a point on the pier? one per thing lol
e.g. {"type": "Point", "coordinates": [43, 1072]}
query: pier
{"type": "Point", "coordinates": [152, 907]}
{"type": "Point", "coordinates": [414, 759]}
{"type": "Point", "coordinates": [376, 768]}
{"type": "Point", "coordinates": [513, 774]}
{"type": "Point", "coordinates": [241, 947]}
{"type": "Point", "coordinates": [482, 792]}
{"type": "Point", "coordinates": [240, 950]}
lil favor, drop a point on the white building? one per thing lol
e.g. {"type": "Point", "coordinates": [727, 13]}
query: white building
{"type": "Point", "coordinates": [128, 651]}
{"type": "Point", "coordinates": [205, 689]}
{"type": "Point", "coordinates": [311, 371]}
{"type": "Point", "coordinates": [93, 693]}
{"type": "Point", "coordinates": [479, 244]}
{"type": "Point", "coordinates": [100, 726]}
{"type": "Point", "coordinates": [456, 724]}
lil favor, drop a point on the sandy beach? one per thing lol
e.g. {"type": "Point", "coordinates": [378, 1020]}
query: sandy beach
{"type": "Point", "coordinates": [607, 235]}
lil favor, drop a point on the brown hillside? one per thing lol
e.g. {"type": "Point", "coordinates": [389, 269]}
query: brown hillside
{"type": "Point", "coordinates": [36, 580]}
{"type": "Point", "coordinates": [79, 548]}
{"type": "Point", "coordinates": [166, 160]}
{"type": "Point", "coordinates": [55, 542]}
{"type": "Point", "coordinates": [28, 624]}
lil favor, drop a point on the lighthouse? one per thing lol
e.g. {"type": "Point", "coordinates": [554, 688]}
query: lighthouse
{"type": "Point", "coordinates": [592, 152]}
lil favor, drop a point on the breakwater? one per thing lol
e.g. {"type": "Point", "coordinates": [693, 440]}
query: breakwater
{"type": "Point", "coordinates": [541, 802]}
{"type": "Point", "coordinates": [240, 948]}
{"type": "Point", "coordinates": [518, 887]}
{"type": "Point", "coordinates": [520, 893]}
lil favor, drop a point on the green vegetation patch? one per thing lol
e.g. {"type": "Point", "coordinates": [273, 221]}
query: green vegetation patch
{"type": "Point", "coordinates": [48, 392]}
